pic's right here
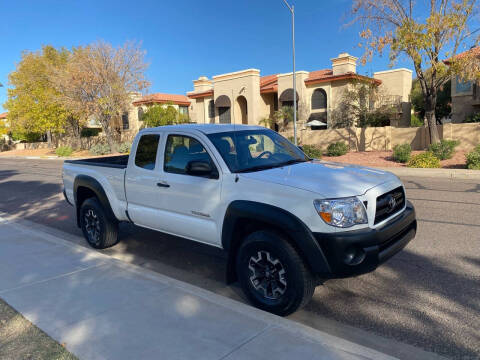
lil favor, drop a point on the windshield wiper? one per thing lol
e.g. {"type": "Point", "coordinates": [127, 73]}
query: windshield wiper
{"type": "Point", "coordinates": [258, 168]}
{"type": "Point", "coordinates": [270, 166]}
{"type": "Point", "coordinates": [293, 161]}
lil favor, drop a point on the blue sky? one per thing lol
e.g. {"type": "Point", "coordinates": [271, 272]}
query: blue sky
{"type": "Point", "coordinates": [186, 39]}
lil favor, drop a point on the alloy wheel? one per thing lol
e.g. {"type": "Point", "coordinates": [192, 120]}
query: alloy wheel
{"type": "Point", "coordinates": [267, 275]}
{"type": "Point", "coordinates": [92, 226]}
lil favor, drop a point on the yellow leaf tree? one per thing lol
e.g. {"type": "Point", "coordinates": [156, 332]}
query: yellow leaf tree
{"type": "Point", "coordinates": [31, 103]}
{"type": "Point", "coordinates": [427, 32]}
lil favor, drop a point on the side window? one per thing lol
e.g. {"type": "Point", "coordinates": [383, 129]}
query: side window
{"type": "Point", "coordinates": [147, 151]}
{"type": "Point", "coordinates": [180, 150]}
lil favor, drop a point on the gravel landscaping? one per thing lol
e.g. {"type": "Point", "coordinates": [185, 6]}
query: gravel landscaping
{"type": "Point", "coordinates": [384, 159]}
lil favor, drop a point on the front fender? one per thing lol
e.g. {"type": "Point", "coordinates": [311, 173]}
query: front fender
{"type": "Point", "coordinates": [277, 218]}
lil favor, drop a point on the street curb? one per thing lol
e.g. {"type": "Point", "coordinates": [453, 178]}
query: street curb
{"type": "Point", "coordinates": [462, 174]}
{"type": "Point", "coordinates": [299, 329]}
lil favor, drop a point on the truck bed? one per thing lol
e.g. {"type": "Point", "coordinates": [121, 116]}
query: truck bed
{"type": "Point", "coordinates": [118, 161]}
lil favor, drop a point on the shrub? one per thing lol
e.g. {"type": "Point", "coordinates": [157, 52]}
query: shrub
{"type": "Point", "coordinates": [124, 147]}
{"type": "Point", "coordinates": [424, 160]}
{"type": "Point", "coordinates": [312, 151]}
{"type": "Point", "coordinates": [474, 118]}
{"type": "Point", "coordinates": [337, 149]}
{"type": "Point", "coordinates": [415, 121]}
{"type": "Point", "coordinates": [473, 159]}
{"type": "Point", "coordinates": [100, 149]}
{"type": "Point", "coordinates": [444, 149]}
{"type": "Point", "coordinates": [88, 132]}
{"type": "Point", "coordinates": [401, 153]}
{"type": "Point", "coordinates": [64, 151]}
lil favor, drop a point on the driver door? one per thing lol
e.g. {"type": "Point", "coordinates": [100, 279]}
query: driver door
{"type": "Point", "coordinates": [191, 203]}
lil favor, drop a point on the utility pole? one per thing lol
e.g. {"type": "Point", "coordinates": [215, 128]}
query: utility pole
{"type": "Point", "coordinates": [292, 11]}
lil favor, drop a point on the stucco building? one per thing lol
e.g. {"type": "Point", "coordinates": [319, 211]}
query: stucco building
{"type": "Point", "coordinates": [465, 94]}
{"type": "Point", "coordinates": [247, 97]}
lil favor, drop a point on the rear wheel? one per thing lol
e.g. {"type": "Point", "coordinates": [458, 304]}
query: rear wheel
{"type": "Point", "coordinates": [272, 274]}
{"type": "Point", "coordinates": [99, 231]}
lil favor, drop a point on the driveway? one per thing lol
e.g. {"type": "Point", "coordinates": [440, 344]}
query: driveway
{"type": "Point", "coordinates": [427, 296]}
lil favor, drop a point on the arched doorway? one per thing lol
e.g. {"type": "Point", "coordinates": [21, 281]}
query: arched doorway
{"type": "Point", "coordinates": [241, 110]}
{"type": "Point", "coordinates": [223, 105]}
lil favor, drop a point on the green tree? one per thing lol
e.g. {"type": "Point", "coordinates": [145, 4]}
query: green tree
{"type": "Point", "coordinates": [424, 38]}
{"type": "Point", "coordinates": [444, 100]}
{"type": "Point", "coordinates": [161, 115]}
{"type": "Point", "coordinates": [31, 103]}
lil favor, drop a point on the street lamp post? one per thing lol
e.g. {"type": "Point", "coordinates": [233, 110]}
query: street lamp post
{"type": "Point", "coordinates": [292, 11]}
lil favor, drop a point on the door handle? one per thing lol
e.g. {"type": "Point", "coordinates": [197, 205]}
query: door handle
{"type": "Point", "coordinates": [163, 184]}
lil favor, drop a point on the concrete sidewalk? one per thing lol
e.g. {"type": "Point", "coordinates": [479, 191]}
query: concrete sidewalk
{"type": "Point", "coordinates": [102, 308]}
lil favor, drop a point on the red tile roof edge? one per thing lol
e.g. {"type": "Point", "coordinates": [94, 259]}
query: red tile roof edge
{"type": "Point", "coordinates": [161, 98]}
{"type": "Point", "coordinates": [200, 94]}
{"type": "Point", "coordinates": [341, 77]}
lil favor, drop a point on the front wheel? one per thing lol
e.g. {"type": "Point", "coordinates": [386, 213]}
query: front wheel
{"type": "Point", "coordinates": [272, 274]}
{"type": "Point", "coordinates": [99, 231]}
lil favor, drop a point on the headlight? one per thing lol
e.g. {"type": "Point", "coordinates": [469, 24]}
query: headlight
{"type": "Point", "coordinates": [342, 213]}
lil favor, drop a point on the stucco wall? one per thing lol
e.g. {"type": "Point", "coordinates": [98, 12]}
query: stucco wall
{"type": "Point", "coordinates": [395, 82]}
{"type": "Point", "coordinates": [242, 83]}
{"type": "Point", "coordinates": [385, 138]}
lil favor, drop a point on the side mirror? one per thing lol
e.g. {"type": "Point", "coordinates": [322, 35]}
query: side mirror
{"type": "Point", "coordinates": [200, 168]}
{"type": "Point", "coordinates": [300, 147]}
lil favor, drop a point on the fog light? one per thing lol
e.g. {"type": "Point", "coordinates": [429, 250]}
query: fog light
{"type": "Point", "coordinates": [353, 255]}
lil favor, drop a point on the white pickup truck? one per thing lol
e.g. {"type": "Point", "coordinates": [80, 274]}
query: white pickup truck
{"type": "Point", "coordinates": [287, 222]}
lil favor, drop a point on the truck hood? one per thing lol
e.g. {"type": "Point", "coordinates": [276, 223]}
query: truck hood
{"type": "Point", "coordinates": [329, 179]}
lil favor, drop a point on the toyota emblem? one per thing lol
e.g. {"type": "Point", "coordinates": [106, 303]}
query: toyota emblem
{"type": "Point", "coordinates": [391, 203]}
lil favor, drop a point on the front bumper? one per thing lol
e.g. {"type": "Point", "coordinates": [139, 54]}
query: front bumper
{"type": "Point", "coordinates": [360, 251]}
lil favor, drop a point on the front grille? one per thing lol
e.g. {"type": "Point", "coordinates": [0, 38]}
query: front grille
{"type": "Point", "coordinates": [389, 204]}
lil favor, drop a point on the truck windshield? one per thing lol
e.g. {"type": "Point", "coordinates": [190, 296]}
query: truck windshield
{"type": "Point", "coordinates": [255, 150]}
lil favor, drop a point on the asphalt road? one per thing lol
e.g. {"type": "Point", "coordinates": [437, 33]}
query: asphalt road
{"type": "Point", "coordinates": [427, 296]}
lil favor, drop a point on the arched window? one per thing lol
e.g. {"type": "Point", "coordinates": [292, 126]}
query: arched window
{"type": "Point", "coordinates": [319, 99]}
{"type": "Point", "coordinates": [140, 113]}
{"type": "Point", "coordinates": [211, 109]}
{"type": "Point", "coordinates": [125, 123]}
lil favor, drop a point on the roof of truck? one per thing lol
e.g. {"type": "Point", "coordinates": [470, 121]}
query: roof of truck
{"type": "Point", "coordinates": [206, 128]}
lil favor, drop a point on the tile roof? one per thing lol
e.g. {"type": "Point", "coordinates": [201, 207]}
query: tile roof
{"type": "Point", "coordinates": [474, 51]}
{"type": "Point", "coordinates": [195, 95]}
{"type": "Point", "coordinates": [3, 115]}
{"type": "Point", "coordinates": [269, 84]}
{"type": "Point", "coordinates": [321, 76]}
{"type": "Point", "coordinates": [160, 98]}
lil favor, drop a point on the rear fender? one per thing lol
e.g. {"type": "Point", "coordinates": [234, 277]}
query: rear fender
{"type": "Point", "coordinates": [88, 182]}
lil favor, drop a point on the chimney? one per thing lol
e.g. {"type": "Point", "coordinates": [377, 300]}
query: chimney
{"type": "Point", "coordinates": [344, 63]}
{"type": "Point", "coordinates": [202, 84]}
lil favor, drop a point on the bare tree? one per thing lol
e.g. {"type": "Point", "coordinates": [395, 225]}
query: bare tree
{"type": "Point", "coordinates": [424, 38]}
{"type": "Point", "coordinates": [99, 79]}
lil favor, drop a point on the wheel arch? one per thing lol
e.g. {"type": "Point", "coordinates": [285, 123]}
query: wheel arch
{"type": "Point", "coordinates": [244, 217]}
{"type": "Point", "coordinates": [85, 187]}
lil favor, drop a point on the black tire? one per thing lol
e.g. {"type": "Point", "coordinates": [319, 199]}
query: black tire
{"type": "Point", "coordinates": [293, 283]}
{"type": "Point", "coordinates": [99, 231]}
